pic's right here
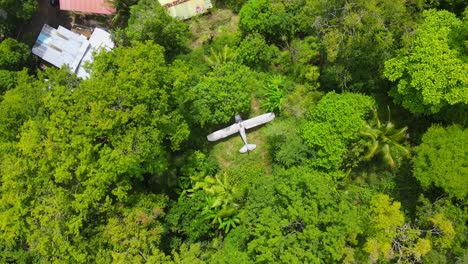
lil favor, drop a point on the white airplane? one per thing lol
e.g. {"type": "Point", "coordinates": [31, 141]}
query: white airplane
{"type": "Point", "coordinates": [240, 126]}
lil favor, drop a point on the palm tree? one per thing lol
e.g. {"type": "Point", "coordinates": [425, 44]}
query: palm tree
{"type": "Point", "coordinates": [385, 140]}
{"type": "Point", "coordinates": [223, 56]}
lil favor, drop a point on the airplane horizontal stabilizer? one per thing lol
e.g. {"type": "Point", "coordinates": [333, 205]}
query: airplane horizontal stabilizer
{"type": "Point", "coordinates": [248, 147]}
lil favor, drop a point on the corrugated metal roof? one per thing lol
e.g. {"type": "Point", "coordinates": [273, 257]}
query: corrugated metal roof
{"type": "Point", "coordinates": [87, 6]}
{"type": "Point", "coordinates": [100, 39]}
{"type": "Point", "coordinates": [60, 46]}
{"type": "Point", "coordinates": [184, 9]}
{"type": "Point", "coordinates": [64, 47]}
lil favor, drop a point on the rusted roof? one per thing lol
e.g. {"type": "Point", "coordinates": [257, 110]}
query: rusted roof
{"type": "Point", "coordinates": [87, 6]}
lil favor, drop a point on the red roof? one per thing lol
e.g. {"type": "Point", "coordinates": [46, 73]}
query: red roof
{"type": "Point", "coordinates": [87, 6]}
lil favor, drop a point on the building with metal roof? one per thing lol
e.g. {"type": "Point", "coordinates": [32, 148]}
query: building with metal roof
{"type": "Point", "coordinates": [184, 9]}
{"type": "Point", "coordinates": [62, 47]}
{"type": "Point", "coordinates": [87, 6]}
{"type": "Point", "coordinates": [100, 40]}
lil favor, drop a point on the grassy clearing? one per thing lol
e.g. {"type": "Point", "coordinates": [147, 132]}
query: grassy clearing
{"type": "Point", "coordinates": [244, 168]}
{"type": "Point", "coordinates": [219, 21]}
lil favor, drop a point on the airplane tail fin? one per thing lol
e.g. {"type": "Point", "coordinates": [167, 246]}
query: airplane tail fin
{"type": "Point", "coordinates": [248, 147]}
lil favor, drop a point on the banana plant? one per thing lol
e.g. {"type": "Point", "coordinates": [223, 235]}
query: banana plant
{"type": "Point", "coordinates": [220, 207]}
{"type": "Point", "coordinates": [385, 140]}
{"type": "Point", "coordinates": [223, 56]}
{"type": "Point", "coordinates": [274, 94]}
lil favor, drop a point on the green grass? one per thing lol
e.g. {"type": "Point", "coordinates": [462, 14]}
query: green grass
{"type": "Point", "coordinates": [218, 22]}
{"type": "Point", "coordinates": [244, 168]}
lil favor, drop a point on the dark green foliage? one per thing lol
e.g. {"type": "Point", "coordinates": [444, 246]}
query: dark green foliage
{"type": "Point", "coordinates": [286, 145]}
{"type": "Point", "coordinates": [186, 221]}
{"type": "Point", "coordinates": [302, 209]}
{"type": "Point", "coordinates": [223, 93]}
{"type": "Point", "coordinates": [268, 19]}
{"type": "Point", "coordinates": [385, 140]}
{"type": "Point", "coordinates": [150, 21]}
{"type": "Point", "coordinates": [19, 105]}
{"type": "Point", "coordinates": [117, 168]}
{"type": "Point", "coordinates": [304, 59]}
{"type": "Point", "coordinates": [16, 11]}
{"type": "Point", "coordinates": [450, 219]}
{"type": "Point", "coordinates": [357, 43]}
{"type": "Point", "coordinates": [441, 160]}
{"type": "Point", "coordinates": [14, 55]}
{"type": "Point", "coordinates": [254, 52]}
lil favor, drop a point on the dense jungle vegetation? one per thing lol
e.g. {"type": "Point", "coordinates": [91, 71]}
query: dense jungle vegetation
{"type": "Point", "coordinates": [366, 162]}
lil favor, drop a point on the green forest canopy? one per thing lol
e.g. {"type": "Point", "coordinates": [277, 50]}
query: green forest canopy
{"type": "Point", "coordinates": [365, 162]}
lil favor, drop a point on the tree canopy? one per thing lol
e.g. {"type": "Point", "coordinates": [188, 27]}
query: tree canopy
{"type": "Point", "coordinates": [365, 161]}
{"type": "Point", "coordinates": [431, 72]}
{"type": "Point", "coordinates": [441, 158]}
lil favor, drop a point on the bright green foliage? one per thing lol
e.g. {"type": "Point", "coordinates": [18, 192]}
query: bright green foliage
{"type": "Point", "coordinates": [431, 73]}
{"type": "Point", "coordinates": [14, 55]}
{"type": "Point", "coordinates": [7, 80]}
{"type": "Point", "coordinates": [92, 144]}
{"type": "Point", "coordinates": [254, 52]}
{"type": "Point", "coordinates": [385, 139]}
{"type": "Point", "coordinates": [19, 104]}
{"type": "Point", "coordinates": [441, 160]}
{"type": "Point", "coordinates": [223, 93]}
{"type": "Point", "coordinates": [150, 21]}
{"type": "Point", "coordinates": [389, 237]}
{"type": "Point", "coordinates": [188, 254]}
{"type": "Point", "coordinates": [274, 94]}
{"type": "Point", "coordinates": [333, 124]}
{"type": "Point", "coordinates": [386, 217]}
{"type": "Point", "coordinates": [300, 217]}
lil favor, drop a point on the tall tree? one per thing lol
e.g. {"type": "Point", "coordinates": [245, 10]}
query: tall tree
{"type": "Point", "coordinates": [14, 55]}
{"type": "Point", "coordinates": [332, 125]}
{"type": "Point", "coordinates": [431, 72]}
{"type": "Point", "coordinates": [151, 21]}
{"type": "Point", "coordinates": [441, 160]}
{"type": "Point", "coordinates": [95, 142]}
{"type": "Point", "coordinates": [223, 93]}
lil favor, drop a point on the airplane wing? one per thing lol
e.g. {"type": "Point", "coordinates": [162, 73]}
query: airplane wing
{"type": "Point", "coordinates": [222, 133]}
{"type": "Point", "coordinates": [258, 120]}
